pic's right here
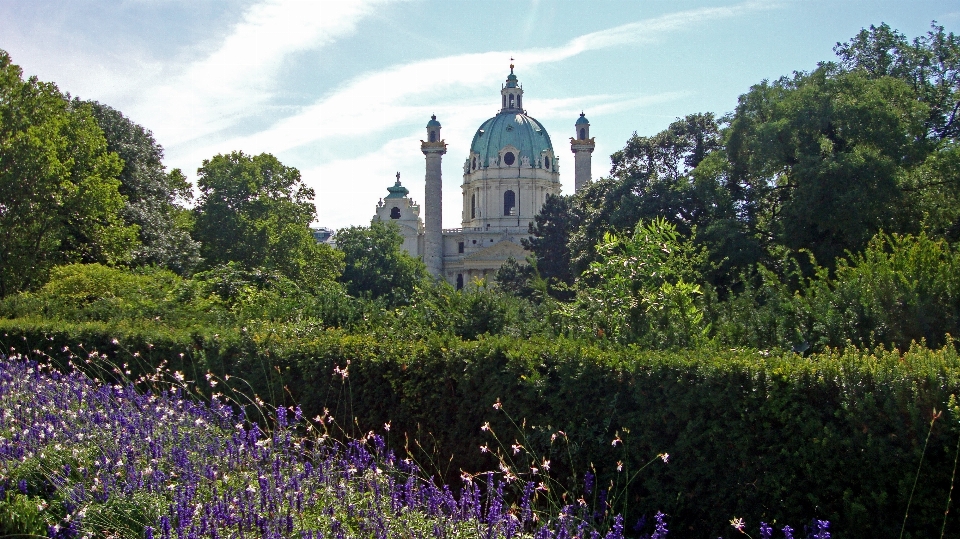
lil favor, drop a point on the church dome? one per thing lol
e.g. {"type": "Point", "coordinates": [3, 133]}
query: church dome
{"type": "Point", "coordinates": [510, 128]}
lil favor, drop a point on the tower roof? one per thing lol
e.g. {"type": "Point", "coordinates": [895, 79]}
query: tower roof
{"type": "Point", "coordinates": [582, 120]}
{"type": "Point", "coordinates": [433, 122]}
{"type": "Point", "coordinates": [397, 191]}
{"type": "Point", "coordinates": [511, 78]}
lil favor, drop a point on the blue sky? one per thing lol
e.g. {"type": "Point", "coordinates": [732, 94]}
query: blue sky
{"type": "Point", "coordinates": [342, 90]}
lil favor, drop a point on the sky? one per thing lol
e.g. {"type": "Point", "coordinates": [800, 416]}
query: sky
{"type": "Point", "coordinates": [342, 89]}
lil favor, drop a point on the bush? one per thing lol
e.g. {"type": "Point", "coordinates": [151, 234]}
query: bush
{"type": "Point", "coordinates": [773, 437]}
{"type": "Point", "coordinates": [900, 290]}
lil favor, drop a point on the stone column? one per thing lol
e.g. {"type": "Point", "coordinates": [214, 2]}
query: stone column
{"type": "Point", "coordinates": [433, 223]}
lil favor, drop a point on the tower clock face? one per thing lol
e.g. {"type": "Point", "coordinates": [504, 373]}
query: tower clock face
{"type": "Point", "coordinates": [509, 158]}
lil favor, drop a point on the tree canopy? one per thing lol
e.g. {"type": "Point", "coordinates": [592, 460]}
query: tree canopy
{"type": "Point", "coordinates": [153, 195]}
{"type": "Point", "coordinates": [256, 212]}
{"type": "Point", "coordinates": [376, 266]}
{"type": "Point", "coordinates": [59, 193]}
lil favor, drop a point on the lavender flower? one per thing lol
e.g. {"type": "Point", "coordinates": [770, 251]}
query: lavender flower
{"type": "Point", "coordinates": [661, 530]}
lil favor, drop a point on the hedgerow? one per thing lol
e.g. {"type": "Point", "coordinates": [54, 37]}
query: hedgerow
{"type": "Point", "coordinates": [759, 435]}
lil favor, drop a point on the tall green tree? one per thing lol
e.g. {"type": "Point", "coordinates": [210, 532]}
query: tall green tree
{"type": "Point", "coordinates": [376, 265]}
{"type": "Point", "coordinates": [550, 237]}
{"type": "Point", "coordinates": [930, 64]}
{"type": "Point", "coordinates": [256, 212]}
{"type": "Point", "coordinates": [817, 160]}
{"type": "Point", "coordinates": [59, 192]}
{"type": "Point", "coordinates": [154, 197]}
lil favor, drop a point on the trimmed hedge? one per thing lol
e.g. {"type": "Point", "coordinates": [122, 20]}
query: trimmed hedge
{"type": "Point", "coordinates": [780, 438]}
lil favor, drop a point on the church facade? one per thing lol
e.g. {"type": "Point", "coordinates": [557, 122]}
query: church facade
{"type": "Point", "coordinates": [508, 173]}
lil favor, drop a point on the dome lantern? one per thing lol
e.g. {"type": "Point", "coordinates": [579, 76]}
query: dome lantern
{"type": "Point", "coordinates": [433, 129]}
{"type": "Point", "coordinates": [511, 95]}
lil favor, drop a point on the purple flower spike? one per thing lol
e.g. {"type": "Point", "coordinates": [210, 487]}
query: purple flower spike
{"type": "Point", "coordinates": [617, 531]}
{"type": "Point", "coordinates": [766, 532]}
{"type": "Point", "coordinates": [661, 531]}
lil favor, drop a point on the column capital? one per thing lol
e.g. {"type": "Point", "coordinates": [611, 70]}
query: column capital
{"type": "Point", "coordinates": [439, 147]}
{"type": "Point", "coordinates": [582, 145]}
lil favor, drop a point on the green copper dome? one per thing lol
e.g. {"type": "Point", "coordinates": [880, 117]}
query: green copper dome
{"type": "Point", "coordinates": [510, 128]}
{"type": "Point", "coordinates": [433, 121]}
{"type": "Point", "coordinates": [582, 120]}
{"type": "Point", "coordinates": [397, 191]}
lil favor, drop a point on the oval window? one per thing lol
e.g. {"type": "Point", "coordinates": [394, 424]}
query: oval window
{"type": "Point", "coordinates": [395, 213]}
{"type": "Point", "coordinates": [546, 162]}
{"type": "Point", "coordinates": [509, 158]}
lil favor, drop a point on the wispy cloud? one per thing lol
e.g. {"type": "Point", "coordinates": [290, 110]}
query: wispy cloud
{"type": "Point", "coordinates": [239, 77]}
{"type": "Point", "coordinates": [374, 106]}
{"type": "Point", "coordinates": [380, 101]}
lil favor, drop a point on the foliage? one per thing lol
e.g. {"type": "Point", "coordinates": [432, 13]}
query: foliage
{"type": "Point", "coordinates": [820, 159]}
{"type": "Point", "coordinates": [158, 464]}
{"type": "Point", "coordinates": [651, 177]}
{"type": "Point", "coordinates": [517, 278]}
{"type": "Point", "coordinates": [640, 290]}
{"type": "Point", "coordinates": [762, 436]}
{"type": "Point", "coordinates": [930, 64]}
{"type": "Point", "coordinates": [152, 194]}
{"type": "Point", "coordinates": [900, 290]}
{"type": "Point", "coordinates": [376, 266]}
{"type": "Point", "coordinates": [59, 198]}
{"type": "Point", "coordinates": [549, 240]}
{"type": "Point", "coordinates": [256, 212]}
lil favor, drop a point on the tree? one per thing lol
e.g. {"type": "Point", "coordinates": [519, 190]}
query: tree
{"type": "Point", "coordinates": [376, 266]}
{"type": "Point", "coordinates": [550, 237]}
{"type": "Point", "coordinates": [640, 290]}
{"type": "Point", "coordinates": [651, 177]}
{"type": "Point", "coordinates": [152, 194]}
{"type": "Point", "coordinates": [930, 64]}
{"type": "Point", "coordinates": [817, 160]}
{"type": "Point", "coordinates": [256, 212]}
{"type": "Point", "coordinates": [59, 197]}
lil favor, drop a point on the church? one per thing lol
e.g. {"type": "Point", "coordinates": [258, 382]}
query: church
{"type": "Point", "coordinates": [509, 172]}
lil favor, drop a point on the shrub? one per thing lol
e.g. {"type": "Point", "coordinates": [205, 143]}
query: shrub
{"type": "Point", "coordinates": [765, 437]}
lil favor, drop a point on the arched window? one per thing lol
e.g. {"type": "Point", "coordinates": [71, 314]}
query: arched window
{"type": "Point", "coordinates": [459, 281]}
{"type": "Point", "coordinates": [511, 100]}
{"type": "Point", "coordinates": [583, 133]}
{"type": "Point", "coordinates": [395, 213]}
{"type": "Point", "coordinates": [509, 202]}
{"type": "Point", "coordinates": [433, 136]}
{"type": "Point", "coordinates": [473, 206]}
{"type": "Point", "coordinates": [474, 163]}
{"type": "Point", "coordinates": [546, 162]}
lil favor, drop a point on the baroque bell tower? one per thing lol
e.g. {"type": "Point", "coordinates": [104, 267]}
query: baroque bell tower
{"type": "Point", "coordinates": [582, 145]}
